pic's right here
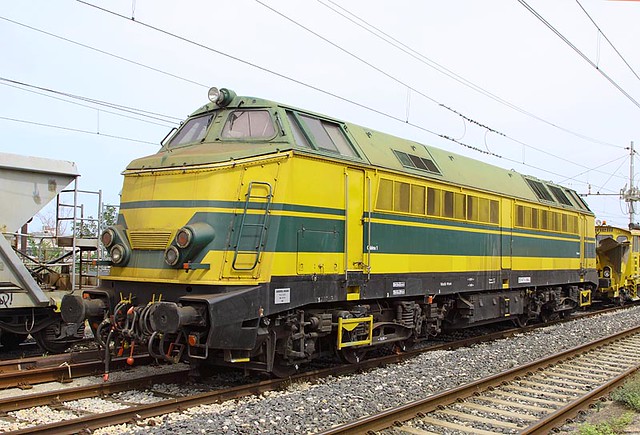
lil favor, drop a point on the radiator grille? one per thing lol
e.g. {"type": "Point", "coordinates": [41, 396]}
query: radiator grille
{"type": "Point", "coordinates": [149, 240]}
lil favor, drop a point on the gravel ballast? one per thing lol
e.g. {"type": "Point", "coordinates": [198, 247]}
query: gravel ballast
{"type": "Point", "coordinates": [310, 408]}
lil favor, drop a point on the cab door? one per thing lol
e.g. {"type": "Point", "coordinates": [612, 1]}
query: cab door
{"type": "Point", "coordinates": [354, 222]}
{"type": "Point", "coordinates": [506, 241]}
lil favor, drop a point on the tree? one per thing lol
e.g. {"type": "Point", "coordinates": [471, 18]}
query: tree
{"type": "Point", "coordinates": [88, 228]}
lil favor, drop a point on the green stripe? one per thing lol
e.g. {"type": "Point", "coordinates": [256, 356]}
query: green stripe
{"type": "Point", "coordinates": [469, 225]}
{"type": "Point", "coordinates": [398, 239]}
{"type": "Point", "coordinates": [324, 234]}
{"type": "Point", "coordinates": [130, 205]}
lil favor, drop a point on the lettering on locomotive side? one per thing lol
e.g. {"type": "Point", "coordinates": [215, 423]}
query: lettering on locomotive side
{"type": "Point", "coordinates": [6, 300]}
{"type": "Point", "coordinates": [398, 288]}
{"type": "Point", "coordinates": [524, 280]}
{"type": "Point", "coordinates": [282, 296]}
{"type": "Point", "coordinates": [446, 284]}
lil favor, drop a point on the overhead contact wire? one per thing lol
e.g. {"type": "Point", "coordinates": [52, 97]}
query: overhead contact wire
{"type": "Point", "coordinates": [447, 72]}
{"type": "Point", "coordinates": [76, 130]}
{"type": "Point", "coordinates": [607, 39]}
{"type": "Point", "coordinates": [466, 118]}
{"type": "Point", "coordinates": [293, 80]}
{"type": "Point", "coordinates": [580, 53]}
{"type": "Point", "coordinates": [89, 107]}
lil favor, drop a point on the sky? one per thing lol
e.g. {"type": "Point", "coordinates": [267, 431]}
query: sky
{"type": "Point", "coordinates": [488, 74]}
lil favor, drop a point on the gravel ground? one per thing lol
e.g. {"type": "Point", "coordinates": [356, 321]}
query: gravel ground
{"type": "Point", "coordinates": [309, 408]}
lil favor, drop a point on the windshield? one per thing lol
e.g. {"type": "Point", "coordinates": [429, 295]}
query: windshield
{"type": "Point", "coordinates": [194, 130]}
{"type": "Point", "coordinates": [255, 124]}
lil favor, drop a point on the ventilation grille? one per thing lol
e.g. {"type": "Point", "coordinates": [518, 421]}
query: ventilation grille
{"type": "Point", "coordinates": [417, 162]}
{"type": "Point", "coordinates": [149, 240]}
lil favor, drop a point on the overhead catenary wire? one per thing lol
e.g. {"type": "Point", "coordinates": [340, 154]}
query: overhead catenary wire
{"type": "Point", "coordinates": [380, 70]}
{"type": "Point", "coordinates": [77, 130]}
{"type": "Point", "coordinates": [626, 156]}
{"type": "Point", "coordinates": [129, 109]}
{"type": "Point", "coordinates": [167, 123]}
{"type": "Point", "coordinates": [268, 71]}
{"type": "Point", "coordinates": [389, 39]}
{"type": "Point", "coordinates": [612, 173]}
{"type": "Point", "coordinates": [106, 53]}
{"type": "Point", "coordinates": [316, 88]}
{"type": "Point", "coordinates": [580, 53]}
{"type": "Point", "coordinates": [275, 73]}
{"type": "Point", "coordinates": [600, 32]}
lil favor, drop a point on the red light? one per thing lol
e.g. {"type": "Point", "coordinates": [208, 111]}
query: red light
{"type": "Point", "coordinates": [183, 237]}
{"type": "Point", "coordinates": [107, 237]}
{"type": "Point", "coordinates": [193, 340]}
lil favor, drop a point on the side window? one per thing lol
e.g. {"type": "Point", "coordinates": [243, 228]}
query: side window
{"type": "Point", "coordinates": [298, 135]}
{"type": "Point", "coordinates": [324, 135]}
{"type": "Point", "coordinates": [385, 195]}
{"type": "Point", "coordinates": [194, 130]}
{"type": "Point", "coordinates": [256, 124]}
{"type": "Point", "coordinates": [434, 202]}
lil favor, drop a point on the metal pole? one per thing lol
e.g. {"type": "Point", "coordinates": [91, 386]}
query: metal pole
{"type": "Point", "coordinates": [73, 238]}
{"type": "Point", "coordinates": [100, 226]}
{"type": "Point", "coordinates": [632, 190]}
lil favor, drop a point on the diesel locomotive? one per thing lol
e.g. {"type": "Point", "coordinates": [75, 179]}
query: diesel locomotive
{"type": "Point", "coordinates": [263, 236]}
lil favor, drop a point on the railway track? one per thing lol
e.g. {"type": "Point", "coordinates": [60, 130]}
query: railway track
{"type": "Point", "coordinates": [58, 397]}
{"type": "Point", "coordinates": [27, 372]}
{"type": "Point", "coordinates": [531, 399]}
{"type": "Point", "coordinates": [30, 371]}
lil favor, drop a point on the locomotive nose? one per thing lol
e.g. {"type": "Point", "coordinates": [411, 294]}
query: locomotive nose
{"type": "Point", "coordinates": [169, 317]}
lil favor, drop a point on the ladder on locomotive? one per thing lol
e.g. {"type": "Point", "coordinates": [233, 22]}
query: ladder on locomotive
{"type": "Point", "coordinates": [253, 227]}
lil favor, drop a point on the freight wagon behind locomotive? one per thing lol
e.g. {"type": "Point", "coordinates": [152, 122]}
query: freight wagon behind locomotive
{"type": "Point", "coordinates": [618, 260]}
{"type": "Point", "coordinates": [263, 236]}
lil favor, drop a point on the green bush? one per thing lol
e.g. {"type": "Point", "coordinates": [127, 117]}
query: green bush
{"type": "Point", "coordinates": [629, 393]}
{"type": "Point", "coordinates": [613, 427]}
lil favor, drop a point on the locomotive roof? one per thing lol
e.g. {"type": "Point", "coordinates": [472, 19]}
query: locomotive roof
{"type": "Point", "coordinates": [374, 148]}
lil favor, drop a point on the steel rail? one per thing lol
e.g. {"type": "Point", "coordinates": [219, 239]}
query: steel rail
{"type": "Point", "coordinates": [58, 369]}
{"type": "Point", "coordinates": [417, 408]}
{"type": "Point", "coordinates": [171, 405]}
{"type": "Point", "coordinates": [572, 409]}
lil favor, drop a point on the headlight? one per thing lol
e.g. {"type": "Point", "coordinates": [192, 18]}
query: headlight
{"type": "Point", "coordinates": [118, 254]}
{"type": "Point", "coordinates": [184, 237]}
{"type": "Point", "coordinates": [221, 97]}
{"type": "Point", "coordinates": [107, 237]}
{"type": "Point", "coordinates": [606, 272]}
{"type": "Point", "coordinates": [215, 95]}
{"type": "Point", "coordinates": [171, 256]}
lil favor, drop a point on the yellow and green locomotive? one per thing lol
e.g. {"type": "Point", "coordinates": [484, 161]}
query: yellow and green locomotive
{"type": "Point", "coordinates": [264, 236]}
{"type": "Point", "coordinates": [618, 257]}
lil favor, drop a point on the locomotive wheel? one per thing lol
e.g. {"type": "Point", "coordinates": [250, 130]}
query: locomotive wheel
{"type": "Point", "coordinates": [521, 320]}
{"type": "Point", "coordinates": [407, 345]}
{"type": "Point", "coordinates": [281, 369]}
{"type": "Point", "coordinates": [11, 341]}
{"type": "Point", "coordinates": [549, 316]}
{"type": "Point", "coordinates": [352, 355]}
